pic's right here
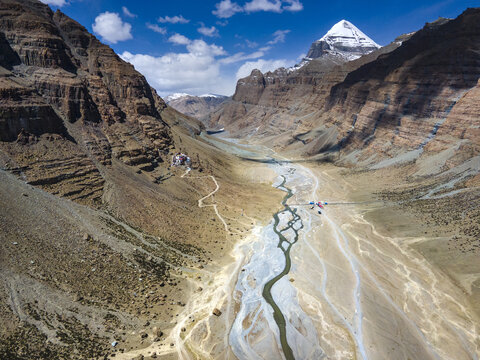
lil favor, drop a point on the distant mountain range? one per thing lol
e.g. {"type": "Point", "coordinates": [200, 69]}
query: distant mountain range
{"type": "Point", "coordinates": [195, 106]}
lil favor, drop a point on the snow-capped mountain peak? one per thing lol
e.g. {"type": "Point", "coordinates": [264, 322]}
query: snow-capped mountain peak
{"type": "Point", "coordinates": [175, 96]}
{"type": "Point", "coordinates": [178, 96]}
{"type": "Point", "coordinates": [347, 33]}
{"type": "Point", "coordinates": [344, 40]}
{"type": "Point", "coordinates": [212, 96]}
{"type": "Point", "coordinates": [193, 105]}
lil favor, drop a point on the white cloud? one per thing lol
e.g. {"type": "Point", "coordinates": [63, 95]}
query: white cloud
{"type": "Point", "coordinates": [301, 56]}
{"type": "Point", "coordinates": [264, 5]}
{"type": "Point", "coordinates": [111, 28]}
{"type": "Point", "coordinates": [201, 48]}
{"type": "Point", "coordinates": [226, 9]}
{"type": "Point", "coordinates": [58, 3]}
{"type": "Point", "coordinates": [156, 28]}
{"type": "Point", "coordinates": [262, 65]}
{"type": "Point", "coordinates": [196, 71]}
{"type": "Point", "coordinates": [293, 5]}
{"type": "Point", "coordinates": [177, 19]}
{"type": "Point", "coordinates": [241, 57]}
{"type": "Point", "coordinates": [179, 39]}
{"type": "Point", "coordinates": [278, 36]}
{"type": "Point", "coordinates": [208, 31]}
{"type": "Point", "coordinates": [251, 44]}
{"type": "Point", "coordinates": [127, 12]}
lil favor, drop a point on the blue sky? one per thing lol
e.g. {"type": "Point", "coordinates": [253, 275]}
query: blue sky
{"type": "Point", "coordinates": [199, 47]}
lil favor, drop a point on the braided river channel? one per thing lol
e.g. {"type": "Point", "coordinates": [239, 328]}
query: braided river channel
{"type": "Point", "coordinates": [328, 285]}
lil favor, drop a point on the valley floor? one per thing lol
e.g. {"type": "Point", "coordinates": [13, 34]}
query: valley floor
{"type": "Point", "coordinates": [358, 287]}
{"type": "Point", "coordinates": [374, 276]}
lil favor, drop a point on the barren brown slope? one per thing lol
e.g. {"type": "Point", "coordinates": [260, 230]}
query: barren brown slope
{"type": "Point", "coordinates": [100, 239]}
{"type": "Point", "coordinates": [399, 101]}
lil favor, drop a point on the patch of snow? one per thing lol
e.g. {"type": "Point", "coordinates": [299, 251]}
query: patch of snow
{"type": "Point", "coordinates": [212, 96]}
{"type": "Point", "coordinates": [344, 41]}
{"type": "Point", "coordinates": [296, 67]}
{"type": "Point", "coordinates": [175, 96]}
{"type": "Point", "coordinates": [348, 35]}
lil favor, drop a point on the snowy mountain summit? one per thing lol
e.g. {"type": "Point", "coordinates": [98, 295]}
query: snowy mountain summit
{"type": "Point", "coordinates": [195, 106]}
{"type": "Point", "coordinates": [345, 41]}
{"type": "Point", "coordinates": [175, 96]}
{"type": "Point", "coordinates": [181, 96]}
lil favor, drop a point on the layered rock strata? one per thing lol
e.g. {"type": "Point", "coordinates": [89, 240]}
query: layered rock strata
{"type": "Point", "coordinates": [407, 97]}
{"type": "Point", "coordinates": [55, 75]}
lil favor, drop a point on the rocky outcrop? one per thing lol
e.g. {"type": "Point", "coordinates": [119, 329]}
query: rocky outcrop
{"type": "Point", "coordinates": [250, 89]}
{"type": "Point", "coordinates": [54, 76]}
{"type": "Point", "coordinates": [402, 100]}
{"type": "Point", "coordinates": [21, 108]}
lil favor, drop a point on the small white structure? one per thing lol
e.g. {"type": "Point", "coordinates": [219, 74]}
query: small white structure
{"type": "Point", "coordinates": [180, 159]}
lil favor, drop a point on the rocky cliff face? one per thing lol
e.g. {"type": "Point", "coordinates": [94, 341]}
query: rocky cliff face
{"type": "Point", "coordinates": [196, 106]}
{"type": "Point", "coordinates": [404, 100]}
{"type": "Point", "coordinates": [56, 75]}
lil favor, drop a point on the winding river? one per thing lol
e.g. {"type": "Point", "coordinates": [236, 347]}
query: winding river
{"type": "Point", "coordinates": [270, 322]}
{"type": "Point", "coordinates": [285, 245]}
